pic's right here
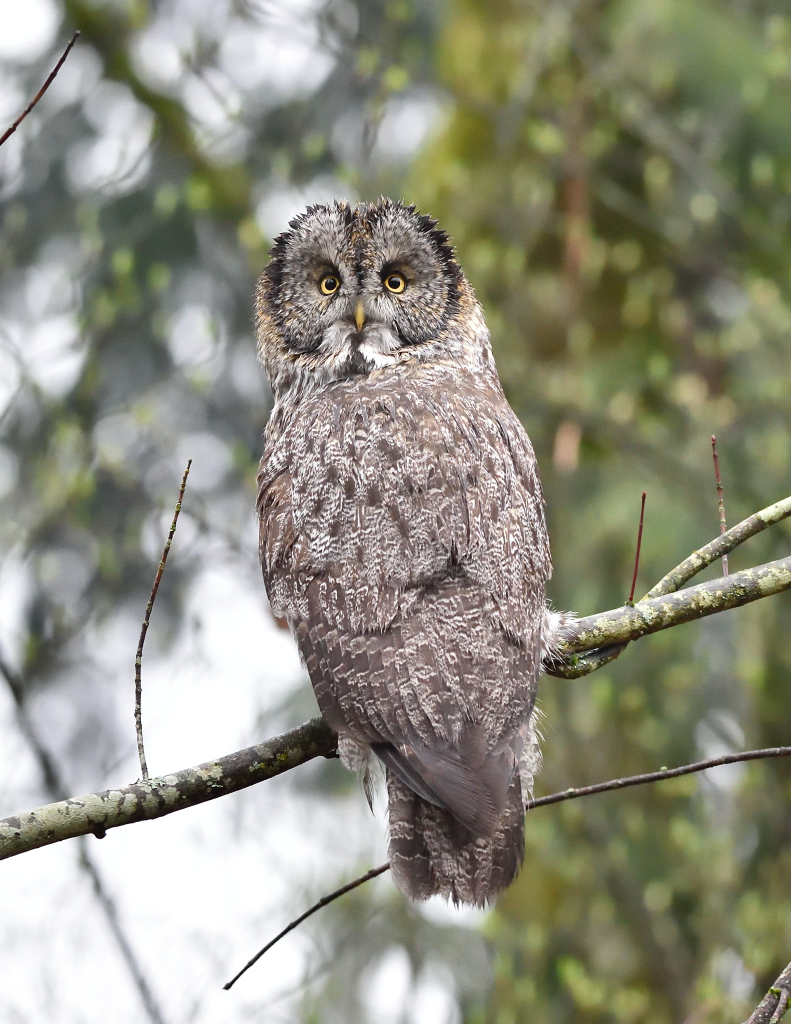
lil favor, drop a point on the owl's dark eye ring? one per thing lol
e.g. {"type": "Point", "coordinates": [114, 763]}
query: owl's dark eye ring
{"type": "Point", "coordinates": [395, 283]}
{"type": "Point", "coordinates": [329, 284]}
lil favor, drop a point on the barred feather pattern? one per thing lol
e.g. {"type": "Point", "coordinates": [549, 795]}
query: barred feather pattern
{"type": "Point", "coordinates": [402, 535]}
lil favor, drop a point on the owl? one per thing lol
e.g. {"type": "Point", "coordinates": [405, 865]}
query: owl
{"type": "Point", "coordinates": [402, 534]}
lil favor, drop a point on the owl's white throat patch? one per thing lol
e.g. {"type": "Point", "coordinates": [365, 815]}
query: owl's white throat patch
{"type": "Point", "coordinates": [347, 351]}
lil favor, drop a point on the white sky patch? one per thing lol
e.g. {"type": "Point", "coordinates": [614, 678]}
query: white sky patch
{"type": "Point", "coordinates": [12, 100]}
{"type": "Point", "coordinates": [407, 123]}
{"type": "Point", "coordinates": [281, 203]}
{"type": "Point", "coordinates": [29, 28]}
{"type": "Point", "coordinates": [116, 159]}
{"type": "Point", "coordinates": [285, 63]}
{"type": "Point", "coordinates": [211, 459]}
{"type": "Point", "coordinates": [9, 367]}
{"type": "Point", "coordinates": [14, 594]}
{"type": "Point", "coordinates": [193, 336]}
{"type": "Point", "coordinates": [199, 891]}
{"type": "Point", "coordinates": [50, 350]}
{"type": "Point", "coordinates": [388, 987]}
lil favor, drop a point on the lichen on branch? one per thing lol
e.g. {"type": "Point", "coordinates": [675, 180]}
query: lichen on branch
{"type": "Point", "coordinates": [142, 801]}
{"type": "Point", "coordinates": [590, 642]}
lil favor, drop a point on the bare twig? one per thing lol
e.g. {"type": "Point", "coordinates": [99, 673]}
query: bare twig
{"type": "Point", "coordinates": [720, 499]}
{"type": "Point", "coordinates": [774, 1004]}
{"type": "Point", "coordinates": [10, 131]}
{"type": "Point", "coordinates": [144, 628]}
{"type": "Point", "coordinates": [316, 906]}
{"type": "Point", "coordinates": [546, 801]}
{"type": "Point", "coordinates": [664, 773]}
{"type": "Point", "coordinates": [637, 552]}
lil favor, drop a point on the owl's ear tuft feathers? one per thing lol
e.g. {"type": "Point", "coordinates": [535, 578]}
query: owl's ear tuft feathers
{"type": "Point", "coordinates": [277, 254]}
{"type": "Point", "coordinates": [441, 240]}
{"type": "Point", "coordinates": [274, 269]}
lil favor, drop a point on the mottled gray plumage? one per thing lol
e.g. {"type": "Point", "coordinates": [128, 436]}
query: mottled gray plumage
{"type": "Point", "coordinates": [403, 535]}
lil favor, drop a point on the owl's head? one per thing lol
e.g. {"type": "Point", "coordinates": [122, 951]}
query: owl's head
{"type": "Point", "coordinates": [351, 289]}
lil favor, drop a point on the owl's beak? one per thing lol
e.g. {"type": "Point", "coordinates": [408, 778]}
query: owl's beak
{"type": "Point", "coordinates": [359, 315]}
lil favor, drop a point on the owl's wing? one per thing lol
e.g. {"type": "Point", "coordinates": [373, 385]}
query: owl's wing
{"type": "Point", "coordinates": [439, 694]}
{"type": "Point", "coordinates": [413, 573]}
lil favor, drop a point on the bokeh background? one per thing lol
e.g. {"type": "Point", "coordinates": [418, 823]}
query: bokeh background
{"type": "Point", "coordinates": [617, 177]}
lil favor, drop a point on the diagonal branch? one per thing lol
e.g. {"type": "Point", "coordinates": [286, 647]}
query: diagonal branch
{"type": "Point", "coordinates": [141, 753]}
{"type": "Point", "coordinates": [774, 1004]}
{"type": "Point", "coordinates": [95, 813]}
{"type": "Point", "coordinates": [50, 79]}
{"type": "Point", "coordinates": [329, 898]}
{"type": "Point", "coordinates": [606, 634]}
{"type": "Point", "coordinates": [654, 614]}
{"type": "Point", "coordinates": [546, 801]}
{"type": "Point", "coordinates": [603, 634]}
{"type": "Point", "coordinates": [575, 666]}
{"type": "Point", "coordinates": [737, 535]}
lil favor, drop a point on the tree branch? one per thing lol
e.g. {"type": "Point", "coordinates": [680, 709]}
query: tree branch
{"type": "Point", "coordinates": [546, 801]}
{"type": "Point", "coordinates": [577, 666]}
{"type": "Point", "coordinates": [142, 801]}
{"type": "Point", "coordinates": [329, 898]}
{"type": "Point", "coordinates": [653, 614]}
{"type": "Point", "coordinates": [737, 535]}
{"type": "Point", "coordinates": [602, 636]}
{"type": "Point", "coordinates": [774, 1004]}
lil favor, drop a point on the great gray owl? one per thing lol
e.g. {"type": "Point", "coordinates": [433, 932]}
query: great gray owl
{"type": "Point", "coordinates": [402, 534]}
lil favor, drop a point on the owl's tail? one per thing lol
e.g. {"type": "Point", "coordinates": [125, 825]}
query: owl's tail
{"type": "Point", "coordinates": [433, 853]}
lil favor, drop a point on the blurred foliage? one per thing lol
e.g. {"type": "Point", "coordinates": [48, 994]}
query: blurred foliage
{"type": "Point", "coordinates": [617, 178]}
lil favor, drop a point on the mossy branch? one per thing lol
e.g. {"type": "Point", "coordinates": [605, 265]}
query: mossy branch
{"type": "Point", "coordinates": [95, 813]}
{"type": "Point", "coordinates": [590, 642]}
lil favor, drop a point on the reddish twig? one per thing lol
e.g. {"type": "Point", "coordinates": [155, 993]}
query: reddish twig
{"type": "Point", "coordinates": [42, 90]}
{"type": "Point", "coordinates": [144, 629]}
{"type": "Point", "coordinates": [316, 906]}
{"type": "Point", "coordinates": [637, 552]}
{"type": "Point", "coordinates": [720, 499]}
{"type": "Point", "coordinates": [542, 801]}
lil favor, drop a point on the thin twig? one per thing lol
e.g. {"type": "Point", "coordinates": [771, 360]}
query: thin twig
{"type": "Point", "coordinates": [774, 1004]}
{"type": "Point", "coordinates": [144, 629]}
{"type": "Point", "coordinates": [316, 906]}
{"type": "Point", "coordinates": [545, 801]}
{"type": "Point", "coordinates": [720, 499]}
{"type": "Point", "coordinates": [637, 552]}
{"type": "Point", "coordinates": [664, 773]}
{"type": "Point", "coordinates": [42, 90]}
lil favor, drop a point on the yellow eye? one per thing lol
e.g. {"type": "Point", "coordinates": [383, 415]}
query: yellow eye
{"type": "Point", "coordinates": [395, 283]}
{"type": "Point", "coordinates": [329, 284]}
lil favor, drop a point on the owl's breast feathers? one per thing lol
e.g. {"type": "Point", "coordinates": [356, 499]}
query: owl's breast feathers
{"type": "Point", "coordinates": [403, 536]}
